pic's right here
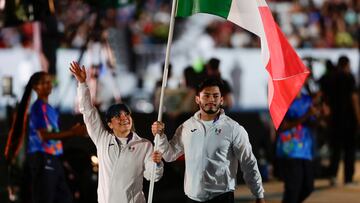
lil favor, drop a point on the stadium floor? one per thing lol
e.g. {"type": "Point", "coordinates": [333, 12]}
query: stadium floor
{"type": "Point", "coordinates": [323, 193]}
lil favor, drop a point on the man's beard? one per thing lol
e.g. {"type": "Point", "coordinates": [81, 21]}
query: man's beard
{"type": "Point", "coordinates": [212, 110]}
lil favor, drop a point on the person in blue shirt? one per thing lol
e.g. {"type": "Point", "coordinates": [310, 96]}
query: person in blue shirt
{"type": "Point", "coordinates": [44, 168]}
{"type": "Point", "coordinates": [295, 149]}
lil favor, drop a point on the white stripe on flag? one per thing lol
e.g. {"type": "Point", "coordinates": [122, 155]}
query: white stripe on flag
{"type": "Point", "coordinates": [246, 14]}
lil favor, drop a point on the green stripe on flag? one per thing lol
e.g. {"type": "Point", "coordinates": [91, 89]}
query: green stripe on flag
{"type": "Point", "coordinates": [216, 7]}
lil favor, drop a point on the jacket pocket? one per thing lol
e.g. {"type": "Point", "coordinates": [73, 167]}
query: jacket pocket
{"type": "Point", "coordinates": [216, 178]}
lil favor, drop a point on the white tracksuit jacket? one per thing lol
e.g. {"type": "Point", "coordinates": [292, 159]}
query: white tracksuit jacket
{"type": "Point", "coordinates": [121, 169]}
{"type": "Point", "coordinates": [211, 157]}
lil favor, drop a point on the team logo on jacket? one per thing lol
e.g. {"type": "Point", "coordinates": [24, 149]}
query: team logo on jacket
{"type": "Point", "coordinates": [217, 131]}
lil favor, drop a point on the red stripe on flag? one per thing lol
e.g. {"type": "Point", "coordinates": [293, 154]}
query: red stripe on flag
{"type": "Point", "coordinates": [284, 92]}
{"type": "Point", "coordinates": [287, 71]}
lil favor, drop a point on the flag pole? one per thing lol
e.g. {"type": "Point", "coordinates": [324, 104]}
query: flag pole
{"type": "Point", "coordinates": [164, 82]}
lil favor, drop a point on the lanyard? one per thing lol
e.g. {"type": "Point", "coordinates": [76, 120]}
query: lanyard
{"type": "Point", "coordinates": [44, 111]}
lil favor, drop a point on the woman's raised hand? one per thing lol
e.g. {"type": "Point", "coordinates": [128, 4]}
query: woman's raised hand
{"type": "Point", "coordinates": [79, 73]}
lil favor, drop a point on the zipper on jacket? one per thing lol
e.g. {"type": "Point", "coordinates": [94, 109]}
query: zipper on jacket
{"type": "Point", "coordinates": [203, 150]}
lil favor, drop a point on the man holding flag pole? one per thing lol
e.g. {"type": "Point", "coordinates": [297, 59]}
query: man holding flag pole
{"type": "Point", "coordinates": [213, 144]}
{"type": "Point", "coordinates": [286, 70]}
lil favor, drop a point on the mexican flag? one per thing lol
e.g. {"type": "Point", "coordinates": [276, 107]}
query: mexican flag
{"type": "Point", "coordinates": [286, 70]}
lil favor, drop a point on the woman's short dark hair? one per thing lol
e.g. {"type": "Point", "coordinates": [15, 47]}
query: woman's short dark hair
{"type": "Point", "coordinates": [210, 82]}
{"type": "Point", "coordinates": [114, 110]}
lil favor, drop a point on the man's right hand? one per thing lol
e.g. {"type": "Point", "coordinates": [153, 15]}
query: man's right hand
{"type": "Point", "coordinates": [157, 128]}
{"type": "Point", "coordinates": [79, 73]}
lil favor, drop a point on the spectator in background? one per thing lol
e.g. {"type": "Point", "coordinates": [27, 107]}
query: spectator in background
{"type": "Point", "coordinates": [213, 71]}
{"type": "Point", "coordinates": [50, 37]}
{"type": "Point", "coordinates": [206, 42]}
{"type": "Point", "coordinates": [43, 166]}
{"type": "Point", "coordinates": [187, 105]}
{"type": "Point", "coordinates": [344, 120]}
{"type": "Point", "coordinates": [172, 97]}
{"type": "Point", "coordinates": [295, 149]}
{"type": "Point", "coordinates": [327, 79]}
{"type": "Point", "coordinates": [325, 84]}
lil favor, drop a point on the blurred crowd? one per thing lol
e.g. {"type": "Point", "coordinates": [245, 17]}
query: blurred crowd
{"type": "Point", "coordinates": [78, 20]}
{"type": "Point", "coordinates": [307, 24]}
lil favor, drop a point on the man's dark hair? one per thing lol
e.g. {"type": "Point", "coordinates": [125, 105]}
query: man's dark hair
{"type": "Point", "coordinates": [210, 82]}
{"type": "Point", "coordinates": [114, 110]}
